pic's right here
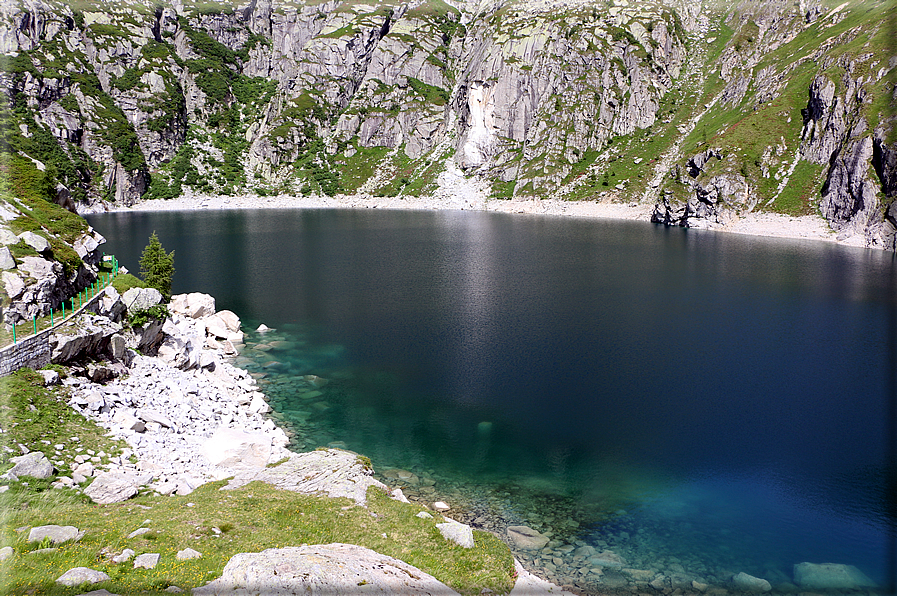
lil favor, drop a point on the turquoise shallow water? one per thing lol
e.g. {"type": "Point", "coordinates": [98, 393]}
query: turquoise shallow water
{"type": "Point", "coordinates": [699, 404]}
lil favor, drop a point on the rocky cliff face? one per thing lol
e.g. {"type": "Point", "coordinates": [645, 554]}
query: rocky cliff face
{"type": "Point", "coordinates": [792, 102]}
{"type": "Point", "coordinates": [47, 255]}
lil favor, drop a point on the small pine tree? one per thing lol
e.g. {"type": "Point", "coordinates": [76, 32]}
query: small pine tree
{"type": "Point", "coordinates": [157, 266]}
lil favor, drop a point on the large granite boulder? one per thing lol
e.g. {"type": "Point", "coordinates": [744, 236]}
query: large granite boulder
{"type": "Point", "coordinates": [194, 305]}
{"type": "Point", "coordinates": [38, 243]}
{"type": "Point", "coordinates": [56, 534]}
{"type": "Point", "coordinates": [34, 464]}
{"type": "Point", "coordinates": [85, 338]}
{"type": "Point", "coordinates": [830, 576]}
{"type": "Point", "coordinates": [111, 487]}
{"type": "Point", "coordinates": [333, 472]}
{"type": "Point", "coordinates": [110, 305]}
{"type": "Point", "coordinates": [136, 299]}
{"type": "Point", "coordinates": [319, 570]}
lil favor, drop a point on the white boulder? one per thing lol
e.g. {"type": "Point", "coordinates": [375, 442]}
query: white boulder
{"type": "Point", "coordinates": [460, 534]}
{"type": "Point", "coordinates": [194, 305]}
{"type": "Point", "coordinates": [141, 298]}
{"type": "Point", "coordinates": [38, 243]}
{"type": "Point", "coordinates": [81, 575]}
{"type": "Point", "coordinates": [230, 447]}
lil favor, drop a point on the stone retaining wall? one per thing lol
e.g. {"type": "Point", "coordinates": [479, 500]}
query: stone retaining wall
{"type": "Point", "coordinates": [34, 351]}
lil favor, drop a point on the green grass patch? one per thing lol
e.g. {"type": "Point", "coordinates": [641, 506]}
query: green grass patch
{"type": "Point", "coordinates": [124, 282]}
{"type": "Point", "coordinates": [39, 418]}
{"type": "Point", "coordinates": [249, 519]}
{"type": "Point", "coordinates": [803, 188]}
{"type": "Point", "coordinates": [430, 93]}
{"type": "Point", "coordinates": [356, 170]}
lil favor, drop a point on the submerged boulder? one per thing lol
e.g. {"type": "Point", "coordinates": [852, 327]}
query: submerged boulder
{"type": "Point", "coordinates": [526, 538]}
{"type": "Point", "coordinates": [830, 576]}
{"type": "Point", "coordinates": [748, 583]}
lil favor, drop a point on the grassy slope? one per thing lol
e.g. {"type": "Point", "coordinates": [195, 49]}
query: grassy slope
{"type": "Point", "coordinates": [249, 519]}
{"type": "Point", "coordinates": [745, 131]}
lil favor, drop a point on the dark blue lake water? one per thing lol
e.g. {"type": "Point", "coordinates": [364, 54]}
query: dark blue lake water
{"type": "Point", "coordinates": [699, 403]}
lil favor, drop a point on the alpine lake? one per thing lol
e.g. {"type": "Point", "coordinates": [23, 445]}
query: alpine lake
{"type": "Point", "coordinates": [695, 404]}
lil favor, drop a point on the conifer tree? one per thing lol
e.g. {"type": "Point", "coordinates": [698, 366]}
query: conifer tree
{"type": "Point", "coordinates": [157, 266]}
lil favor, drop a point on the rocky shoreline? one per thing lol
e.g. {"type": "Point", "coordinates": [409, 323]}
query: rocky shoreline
{"type": "Point", "coordinates": [189, 416]}
{"type": "Point", "coordinates": [468, 196]}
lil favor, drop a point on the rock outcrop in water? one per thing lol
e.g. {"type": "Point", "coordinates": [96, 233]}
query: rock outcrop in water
{"type": "Point", "coordinates": [580, 101]}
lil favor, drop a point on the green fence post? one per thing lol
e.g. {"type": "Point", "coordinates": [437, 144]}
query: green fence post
{"type": "Point", "coordinates": [34, 320]}
{"type": "Point", "coordinates": [51, 317]}
{"type": "Point", "coordinates": [13, 333]}
{"type": "Point", "coordinates": [63, 310]}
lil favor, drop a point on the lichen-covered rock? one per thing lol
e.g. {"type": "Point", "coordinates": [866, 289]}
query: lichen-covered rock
{"type": "Point", "coordinates": [33, 464]}
{"type": "Point", "coordinates": [333, 472]}
{"type": "Point", "coordinates": [56, 534]}
{"type": "Point", "coordinates": [81, 575]}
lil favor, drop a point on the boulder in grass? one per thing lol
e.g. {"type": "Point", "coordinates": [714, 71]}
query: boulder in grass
{"type": "Point", "coordinates": [81, 575]}
{"type": "Point", "coordinates": [146, 561]}
{"type": "Point", "coordinates": [111, 487]}
{"type": "Point", "coordinates": [322, 569]}
{"type": "Point", "coordinates": [38, 243]}
{"type": "Point", "coordinates": [187, 554]}
{"type": "Point", "coordinates": [460, 534]}
{"type": "Point", "coordinates": [33, 464]}
{"type": "Point", "coordinates": [56, 534]}
{"type": "Point", "coordinates": [830, 576]}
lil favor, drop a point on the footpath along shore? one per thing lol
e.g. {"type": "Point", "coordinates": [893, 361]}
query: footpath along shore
{"type": "Point", "coordinates": [774, 225]}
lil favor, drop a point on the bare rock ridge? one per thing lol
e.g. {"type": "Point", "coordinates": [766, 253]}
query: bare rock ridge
{"type": "Point", "coordinates": [794, 101]}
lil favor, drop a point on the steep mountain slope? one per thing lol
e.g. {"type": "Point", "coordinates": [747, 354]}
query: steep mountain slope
{"type": "Point", "coordinates": [706, 110]}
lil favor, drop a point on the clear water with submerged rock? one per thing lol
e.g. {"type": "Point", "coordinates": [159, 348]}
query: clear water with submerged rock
{"type": "Point", "coordinates": [670, 408]}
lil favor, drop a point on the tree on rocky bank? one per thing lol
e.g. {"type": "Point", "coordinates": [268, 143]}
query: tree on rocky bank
{"type": "Point", "coordinates": [157, 266]}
